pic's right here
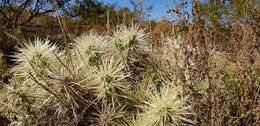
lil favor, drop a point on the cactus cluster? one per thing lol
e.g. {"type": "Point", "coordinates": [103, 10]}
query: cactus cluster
{"type": "Point", "coordinates": [100, 80]}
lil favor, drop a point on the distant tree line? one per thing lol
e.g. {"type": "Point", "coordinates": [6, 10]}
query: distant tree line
{"type": "Point", "coordinates": [24, 19]}
{"type": "Point", "coordinates": [222, 22]}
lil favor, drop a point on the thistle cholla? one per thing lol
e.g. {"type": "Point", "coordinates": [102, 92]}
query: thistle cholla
{"type": "Point", "coordinates": [109, 115]}
{"type": "Point", "coordinates": [89, 48]}
{"type": "Point", "coordinates": [126, 39]}
{"type": "Point", "coordinates": [110, 78]}
{"type": "Point", "coordinates": [36, 57]}
{"type": "Point", "coordinates": [93, 85]}
{"type": "Point", "coordinates": [165, 107]}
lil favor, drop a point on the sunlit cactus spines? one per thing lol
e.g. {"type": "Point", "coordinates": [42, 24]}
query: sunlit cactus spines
{"type": "Point", "coordinates": [134, 121]}
{"type": "Point", "coordinates": [100, 80]}
{"type": "Point", "coordinates": [130, 38]}
{"type": "Point", "coordinates": [165, 107]}
{"type": "Point", "coordinates": [110, 79]}
{"type": "Point", "coordinates": [90, 47]}
{"type": "Point", "coordinates": [129, 63]}
{"type": "Point", "coordinates": [109, 115]}
{"type": "Point", "coordinates": [25, 97]}
{"type": "Point", "coordinates": [36, 56]}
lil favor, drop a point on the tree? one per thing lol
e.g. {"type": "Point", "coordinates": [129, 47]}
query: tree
{"type": "Point", "coordinates": [89, 12]}
{"type": "Point", "coordinates": [93, 13]}
{"type": "Point", "coordinates": [12, 11]}
{"type": "Point", "coordinates": [141, 12]}
{"type": "Point", "coordinates": [16, 17]}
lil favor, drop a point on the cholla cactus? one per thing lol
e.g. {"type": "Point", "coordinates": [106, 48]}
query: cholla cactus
{"type": "Point", "coordinates": [36, 57]}
{"type": "Point", "coordinates": [90, 48]}
{"type": "Point", "coordinates": [165, 107]}
{"type": "Point", "coordinates": [109, 115]}
{"type": "Point", "coordinates": [134, 121]}
{"type": "Point", "coordinates": [130, 38]}
{"type": "Point", "coordinates": [132, 44]}
{"type": "Point", "coordinates": [110, 79]}
{"type": "Point", "coordinates": [94, 83]}
{"type": "Point", "coordinates": [24, 98]}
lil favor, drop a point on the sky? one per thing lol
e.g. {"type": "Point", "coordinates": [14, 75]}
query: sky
{"type": "Point", "coordinates": [159, 6]}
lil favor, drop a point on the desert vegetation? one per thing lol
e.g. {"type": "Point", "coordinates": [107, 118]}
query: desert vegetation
{"type": "Point", "coordinates": [201, 69]}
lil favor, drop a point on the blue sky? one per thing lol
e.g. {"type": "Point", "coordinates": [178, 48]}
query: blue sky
{"type": "Point", "coordinates": [159, 6]}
